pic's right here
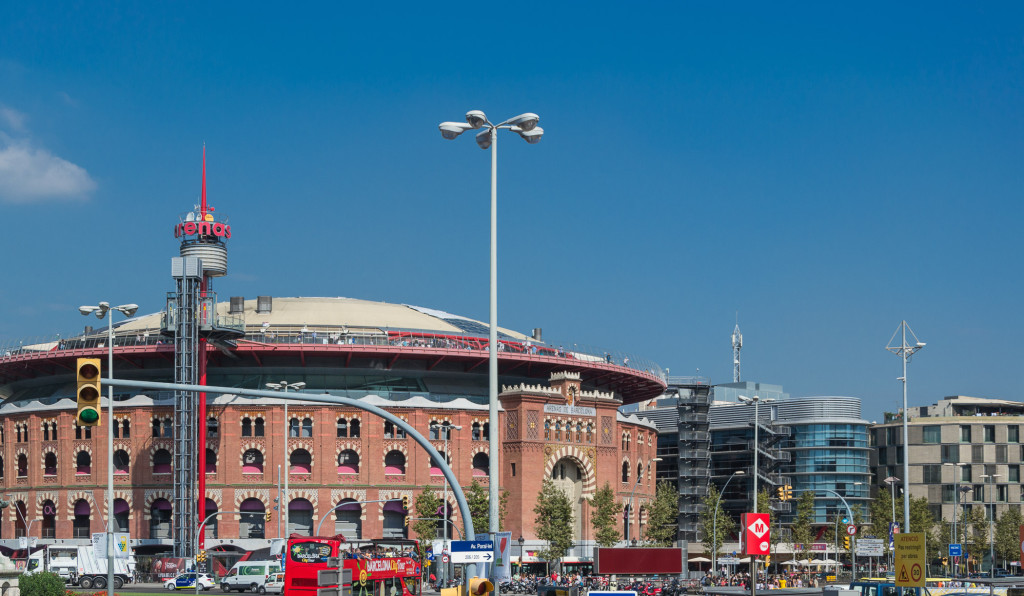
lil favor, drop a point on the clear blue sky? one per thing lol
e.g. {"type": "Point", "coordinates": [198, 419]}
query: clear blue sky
{"type": "Point", "coordinates": [825, 171]}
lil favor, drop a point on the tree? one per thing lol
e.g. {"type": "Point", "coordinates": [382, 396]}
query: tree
{"type": "Point", "coordinates": [973, 526]}
{"type": "Point", "coordinates": [426, 505]}
{"type": "Point", "coordinates": [1007, 534]}
{"type": "Point", "coordinates": [663, 518]}
{"type": "Point", "coordinates": [605, 517]}
{"type": "Point", "coordinates": [764, 505]}
{"type": "Point", "coordinates": [553, 523]}
{"type": "Point", "coordinates": [714, 532]}
{"type": "Point", "coordinates": [42, 584]}
{"type": "Point", "coordinates": [803, 523]}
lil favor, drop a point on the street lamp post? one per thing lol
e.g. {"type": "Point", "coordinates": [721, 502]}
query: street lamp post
{"type": "Point", "coordinates": [991, 521]}
{"type": "Point", "coordinates": [447, 430]}
{"type": "Point", "coordinates": [100, 310]}
{"type": "Point", "coordinates": [525, 125]}
{"type": "Point", "coordinates": [891, 481]}
{"type": "Point", "coordinates": [714, 523]}
{"type": "Point", "coordinates": [905, 351]}
{"type": "Point", "coordinates": [284, 386]}
{"type": "Point", "coordinates": [757, 447]}
{"type": "Point", "coordinates": [956, 505]}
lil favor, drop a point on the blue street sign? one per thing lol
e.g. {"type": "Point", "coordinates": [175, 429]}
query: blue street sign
{"type": "Point", "coordinates": [954, 550]}
{"type": "Point", "coordinates": [472, 551]}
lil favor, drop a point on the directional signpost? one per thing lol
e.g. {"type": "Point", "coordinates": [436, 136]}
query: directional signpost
{"type": "Point", "coordinates": [472, 551]}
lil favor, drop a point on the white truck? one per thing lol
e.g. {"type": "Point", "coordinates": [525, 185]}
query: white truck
{"type": "Point", "coordinates": [79, 566]}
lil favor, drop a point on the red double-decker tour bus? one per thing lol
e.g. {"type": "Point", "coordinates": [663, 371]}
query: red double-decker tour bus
{"type": "Point", "coordinates": [379, 567]}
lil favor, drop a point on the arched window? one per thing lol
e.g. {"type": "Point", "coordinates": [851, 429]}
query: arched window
{"type": "Point", "coordinates": [625, 471]}
{"type": "Point", "coordinates": [487, 431]}
{"type": "Point", "coordinates": [253, 520]}
{"type": "Point", "coordinates": [168, 428]}
{"type": "Point", "coordinates": [348, 520]}
{"type": "Point", "coordinates": [477, 431]}
{"type": "Point", "coordinates": [126, 429]}
{"type": "Point", "coordinates": [348, 462]}
{"type": "Point", "coordinates": [394, 463]}
{"type": "Point", "coordinates": [293, 427]}
{"type": "Point", "coordinates": [389, 430]}
{"type": "Point", "coordinates": [83, 463]}
{"type": "Point", "coordinates": [590, 433]}
{"type": "Point", "coordinates": [22, 465]}
{"type": "Point", "coordinates": [579, 432]}
{"type": "Point", "coordinates": [1, 466]}
{"type": "Point", "coordinates": [19, 523]}
{"type": "Point", "coordinates": [121, 510]}
{"type": "Point", "coordinates": [481, 464]}
{"type": "Point", "coordinates": [639, 472]}
{"type": "Point", "coordinates": [301, 462]}
{"type": "Point", "coordinates": [211, 461]}
{"type": "Point", "coordinates": [625, 442]}
{"type": "Point", "coordinates": [558, 431]}
{"type": "Point", "coordinates": [156, 428]}
{"type": "Point", "coordinates": [353, 428]}
{"type": "Point", "coordinates": [81, 432]}
{"type": "Point", "coordinates": [210, 529]}
{"type": "Point", "coordinates": [162, 462]}
{"type": "Point", "coordinates": [435, 431]}
{"type": "Point", "coordinates": [50, 464]}
{"type": "Point", "coordinates": [300, 517]}
{"type": "Point", "coordinates": [117, 429]}
{"type": "Point", "coordinates": [547, 429]}
{"type": "Point", "coordinates": [435, 467]}
{"type": "Point", "coordinates": [342, 428]}
{"type": "Point", "coordinates": [259, 431]}
{"type": "Point", "coordinates": [307, 427]}
{"type": "Point", "coordinates": [46, 431]}
{"type": "Point", "coordinates": [49, 519]}
{"type": "Point", "coordinates": [212, 427]}
{"type": "Point", "coordinates": [160, 519]}
{"type": "Point", "coordinates": [246, 427]}
{"type": "Point", "coordinates": [83, 519]}
{"type": "Point", "coordinates": [121, 462]}
{"type": "Point", "coordinates": [252, 462]}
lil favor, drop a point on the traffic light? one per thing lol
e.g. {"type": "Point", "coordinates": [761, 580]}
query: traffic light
{"type": "Point", "coordinates": [782, 493]}
{"type": "Point", "coordinates": [846, 542]}
{"type": "Point", "coordinates": [945, 561]}
{"type": "Point", "coordinates": [88, 373]}
{"type": "Point", "coordinates": [201, 556]}
{"type": "Point", "coordinates": [478, 586]}
{"type": "Point", "coordinates": [789, 491]}
{"type": "Point", "coordinates": [269, 516]}
{"type": "Point", "coordinates": [405, 502]}
{"type": "Point", "coordinates": [406, 521]}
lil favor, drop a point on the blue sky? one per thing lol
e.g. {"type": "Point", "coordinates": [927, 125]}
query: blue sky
{"type": "Point", "coordinates": [824, 171]}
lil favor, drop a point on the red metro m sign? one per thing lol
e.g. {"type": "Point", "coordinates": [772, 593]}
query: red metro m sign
{"type": "Point", "coordinates": [757, 535]}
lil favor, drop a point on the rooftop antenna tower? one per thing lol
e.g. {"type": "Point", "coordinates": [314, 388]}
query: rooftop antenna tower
{"type": "Point", "coordinates": [737, 345]}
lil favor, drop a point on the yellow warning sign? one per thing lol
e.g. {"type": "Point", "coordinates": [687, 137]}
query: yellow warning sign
{"type": "Point", "coordinates": [910, 559]}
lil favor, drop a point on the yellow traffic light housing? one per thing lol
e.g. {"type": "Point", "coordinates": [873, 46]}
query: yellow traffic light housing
{"type": "Point", "coordinates": [88, 395]}
{"type": "Point", "coordinates": [269, 516]}
{"type": "Point", "coordinates": [405, 502]}
{"type": "Point", "coordinates": [478, 586]}
{"type": "Point", "coordinates": [406, 518]}
{"type": "Point", "coordinates": [846, 542]}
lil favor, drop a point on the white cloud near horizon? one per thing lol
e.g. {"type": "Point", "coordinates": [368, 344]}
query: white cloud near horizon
{"type": "Point", "coordinates": [30, 174]}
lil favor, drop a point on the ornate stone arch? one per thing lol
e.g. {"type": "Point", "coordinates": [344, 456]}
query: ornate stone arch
{"type": "Point", "coordinates": [340, 494]}
{"type": "Point", "coordinates": [348, 446]}
{"type": "Point", "coordinates": [12, 511]}
{"type": "Point", "coordinates": [310, 494]}
{"type": "Point", "coordinates": [390, 446]}
{"type": "Point", "coordinates": [46, 450]}
{"type": "Point", "coordinates": [247, 445]}
{"type": "Point", "coordinates": [582, 457]}
{"type": "Point", "coordinates": [43, 496]}
{"type": "Point", "coordinates": [166, 446]}
{"type": "Point", "coordinates": [151, 497]}
{"type": "Point", "coordinates": [261, 494]}
{"type": "Point", "coordinates": [479, 449]}
{"type": "Point", "coordinates": [126, 496]}
{"type": "Point", "coordinates": [217, 497]}
{"type": "Point", "coordinates": [77, 495]}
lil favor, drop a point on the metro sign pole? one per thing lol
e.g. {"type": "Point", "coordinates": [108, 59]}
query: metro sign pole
{"type": "Point", "coordinates": [757, 538]}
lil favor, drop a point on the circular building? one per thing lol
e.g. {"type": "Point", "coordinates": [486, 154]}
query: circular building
{"type": "Point", "coordinates": [346, 471]}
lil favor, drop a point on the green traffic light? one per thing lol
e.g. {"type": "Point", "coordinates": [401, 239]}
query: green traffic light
{"type": "Point", "coordinates": [88, 416]}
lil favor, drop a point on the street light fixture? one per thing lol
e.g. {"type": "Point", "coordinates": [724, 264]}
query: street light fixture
{"type": "Point", "coordinates": [714, 523]}
{"type": "Point", "coordinates": [757, 446]}
{"type": "Point", "coordinates": [991, 522]}
{"type": "Point", "coordinates": [447, 430]}
{"type": "Point", "coordinates": [525, 125]}
{"type": "Point", "coordinates": [284, 386]}
{"type": "Point", "coordinates": [905, 351]}
{"type": "Point", "coordinates": [101, 310]}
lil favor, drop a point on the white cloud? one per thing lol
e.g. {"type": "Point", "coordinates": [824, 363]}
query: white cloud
{"type": "Point", "coordinates": [29, 174]}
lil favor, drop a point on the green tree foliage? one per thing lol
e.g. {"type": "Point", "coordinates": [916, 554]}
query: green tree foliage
{"type": "Point", "coordinates": [881, 512]}
{"type": "Point", "coordinates": [1008, 533]}
{"type": "Point", "coordinates": [479, 500]}
{"type": "Point", "coordinates": [605, 519]}
{"type": "Point", "coordinates": [42, 584]}
{"type": "Point", "coordinates": [426, 505]}
{"type": "Point", "coordinates": [553, 523]}
{"type": "Point", "coordinates": [714, 534]}
{"type": "Point", "coordinates": [973, 527]}
{"type": "Point", "coordinates": [803, 523]}
{"type": "Point", "coordinates": [764, 505]}
{"type": "Point", "coordinates": [663, 517]}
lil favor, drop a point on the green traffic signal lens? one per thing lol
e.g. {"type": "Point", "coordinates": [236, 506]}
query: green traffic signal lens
{"type": "Point", "coordinates": [89, 416]}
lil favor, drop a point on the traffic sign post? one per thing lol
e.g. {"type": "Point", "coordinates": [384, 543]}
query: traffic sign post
{"type": "Point", "coordinates": [910, 560]}
{"type": "Point", "coordinates": [472, 551]}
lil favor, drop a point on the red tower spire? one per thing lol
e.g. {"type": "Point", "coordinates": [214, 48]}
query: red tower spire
{"type": "Point", "coordinates": [202, 207]}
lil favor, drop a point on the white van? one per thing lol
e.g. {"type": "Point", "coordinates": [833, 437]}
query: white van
{"type": "Point", "coordinates": [249, 575]}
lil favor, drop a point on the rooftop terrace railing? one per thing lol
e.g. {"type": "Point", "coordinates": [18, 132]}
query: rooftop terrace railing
{"type": "Point", "coordinates": [331, 335]}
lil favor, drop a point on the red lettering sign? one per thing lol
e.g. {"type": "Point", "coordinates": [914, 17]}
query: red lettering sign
{"type": "Point", "coordinates": [757, 535]}
{"type": "Point", "coordinates": [202, 228]}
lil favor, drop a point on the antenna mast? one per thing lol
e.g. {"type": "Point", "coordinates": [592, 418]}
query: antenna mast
{"type": "Point", "coordinates": [737, 345]}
